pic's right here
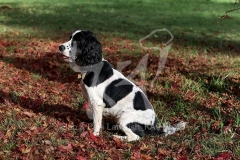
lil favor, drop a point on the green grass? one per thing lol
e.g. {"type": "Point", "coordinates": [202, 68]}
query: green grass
{"type": "Point", "coordinates": [36, 76]}
{"type": "Point", "coordinates": [187, 20]}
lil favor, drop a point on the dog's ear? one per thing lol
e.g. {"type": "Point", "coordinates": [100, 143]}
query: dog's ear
{"type": "Point", "coordinates": [89, 49]}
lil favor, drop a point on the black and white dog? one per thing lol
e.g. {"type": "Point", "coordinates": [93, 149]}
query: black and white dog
{"type": "Point", "coordinates": [108, 92]}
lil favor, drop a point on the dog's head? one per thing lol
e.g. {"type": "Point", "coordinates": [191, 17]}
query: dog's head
{"type": "Point", "coordinates": [83, 48]}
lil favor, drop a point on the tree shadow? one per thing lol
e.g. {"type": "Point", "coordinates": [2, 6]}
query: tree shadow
{"type": "Point", "coordinates": [57, 111]}
{"type": "Point", "coordinates": [47, 65]}
{"type": "Point", "coordinates": [130, 19]}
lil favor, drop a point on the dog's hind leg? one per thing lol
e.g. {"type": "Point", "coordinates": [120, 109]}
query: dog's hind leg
{"type": "Point", "coordinates": [124, 125]}
{"type": "Point", "coordinates": [130, 136]}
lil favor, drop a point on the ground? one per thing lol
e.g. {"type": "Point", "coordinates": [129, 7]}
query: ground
{"type": "Point", "coordinates": [42, 113]}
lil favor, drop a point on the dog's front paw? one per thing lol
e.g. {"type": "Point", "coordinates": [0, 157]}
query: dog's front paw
{"type": "Point", "coordinates": [96, 133]}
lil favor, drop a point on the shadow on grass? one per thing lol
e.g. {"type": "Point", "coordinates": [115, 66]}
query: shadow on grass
{"type": "Point", "coordinates": [58, 111]}
{"type": "Point", "coordinates": [133, 19]}
{"type": "Point", "coordinates": [44, 67]}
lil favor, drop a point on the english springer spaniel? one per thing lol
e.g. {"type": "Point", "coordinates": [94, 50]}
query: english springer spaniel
{"type": "Point", "coordinates": [108, 92]}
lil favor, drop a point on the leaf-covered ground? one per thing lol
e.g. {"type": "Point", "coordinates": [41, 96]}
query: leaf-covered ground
{"type": "Point", "coordinates": [41, 114]}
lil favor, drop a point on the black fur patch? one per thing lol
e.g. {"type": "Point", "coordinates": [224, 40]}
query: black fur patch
{"type": "Point", "coordinates": [88, 79]}
{"type": "Point", "coordinates": [116, 91]}
{"type": "Point", "coordinates": [141, 130]}
{"type": "Point", "coordinates": [137, 128]}
{"type": "Point", "coordinates": [141, 102]}
{"type": "Point", "coordinates": [99, 74]}
{"type": "Point", "coordinates": [89, 49]}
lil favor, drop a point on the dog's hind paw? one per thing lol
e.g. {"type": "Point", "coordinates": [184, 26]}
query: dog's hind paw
{"type": "Point", "coordinates": [129, 139]}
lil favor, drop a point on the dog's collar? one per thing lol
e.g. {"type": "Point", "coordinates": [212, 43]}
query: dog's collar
{"type": "Point", "coordinates": [83, 70]}
{"type": "Point", "coordinates": [81, 75]}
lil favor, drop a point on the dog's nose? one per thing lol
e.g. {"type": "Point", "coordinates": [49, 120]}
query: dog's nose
{"type": "Point", "coordinates": [61, 48]}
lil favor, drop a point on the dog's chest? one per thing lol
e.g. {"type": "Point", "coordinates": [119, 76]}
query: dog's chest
{"type": "Point", "coordinates": [83, 88]}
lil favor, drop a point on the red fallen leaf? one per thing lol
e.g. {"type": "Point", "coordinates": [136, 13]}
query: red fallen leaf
{"type": "Point", "coordinates": [38, 102]}
{"type": "Point", "coordinates": [3, 43]}
{"type": "Point", "coordinates": [1, 135]}
{"type": "Point", "coordinates": [67, 148]}
{"type": "Point", "coordinates": [175, 85]}
{"type": "Point", "coordinates": [62, 86]}
{"type": "Point", "coordinates": [141, 83]}
{"type": "Point", "coordinates": [23, 98]}
{"type": "Point", "coordinates": [224, 156]}
{"type": "Point", "coordinates": [85, 105]}
{"type": "Point", "coordinates": [137, 155]}
{"type": "Point", "coordinates": [93, 146]}
{"type": "Point", "coordinates": [83, 134]}
{"type": "Point", "coordinates": [182, 158]}
{"type": "Point", "coordinates": [118, 142]}
{"type": "Point", "coordinates": [204, 130]}
{"type": "Point", "coordinates": [15, 78]}
{"type": "Point", "coordinates": [91, 136]}
{"type": "Point", "coordinates": [80, 158]}
{"type": "Point", "coordinates": [226, 129]}
{"type": "Point", "coordinates": [67, 135]}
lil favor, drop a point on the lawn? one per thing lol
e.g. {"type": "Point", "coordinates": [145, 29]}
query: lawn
{"type": "Point", "coordinates": [41, 104]}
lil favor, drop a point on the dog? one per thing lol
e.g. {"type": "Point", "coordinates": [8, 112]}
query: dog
{"type": "Point", "coordinates": [108, 92]}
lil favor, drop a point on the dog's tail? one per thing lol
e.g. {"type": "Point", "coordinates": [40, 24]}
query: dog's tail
{"type": "Point", "coordinates": [168, 129]}
{"type": "Point", "coordinates": [142, 130]}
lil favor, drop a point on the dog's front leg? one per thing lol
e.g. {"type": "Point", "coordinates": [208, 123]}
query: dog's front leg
{"type": "Point", "coordinates": [97, 106]}
{"type": "Point", "coordinates": [97, 119]}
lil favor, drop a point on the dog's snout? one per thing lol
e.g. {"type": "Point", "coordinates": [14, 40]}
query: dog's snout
{"type": "Point", "coordinates": [61, 48]}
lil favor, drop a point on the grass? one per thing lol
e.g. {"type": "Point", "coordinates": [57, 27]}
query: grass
{"type": "Point", "coordinates": [40, 112]}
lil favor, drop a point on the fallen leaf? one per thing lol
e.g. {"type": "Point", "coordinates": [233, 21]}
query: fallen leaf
{"type": "Point", "coordinates": [224, 156]}
{"type": "Point", "coordinates": [67, 148]}
{"type": "Point", "coordinates": [85, 105]}
{"type": "Point", "coordinates": [1, 135]}
{"type": "Point", "coordinates": [80, 158]}
{"type": "Point", "coordinates": [38, 102]}
{"type": "Point", "coordinates": [137, 155]}
{"type": "Point", "coordinates": [118, 142]}
{"type": "Point", "coordinates": [91, 136]}
{"type": "Point", "coordinates": [29, 114]}
{"type": "Point", "coordinates": [182, 158]}
{"type": "Point", "coordinates": [26, 150]}
{"type": "Point", "coordinates": [83, 134]}
{"type": "Point", "coordinates": [146, 157]}
{"type": "Point", "coordinates": [163, 152]}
